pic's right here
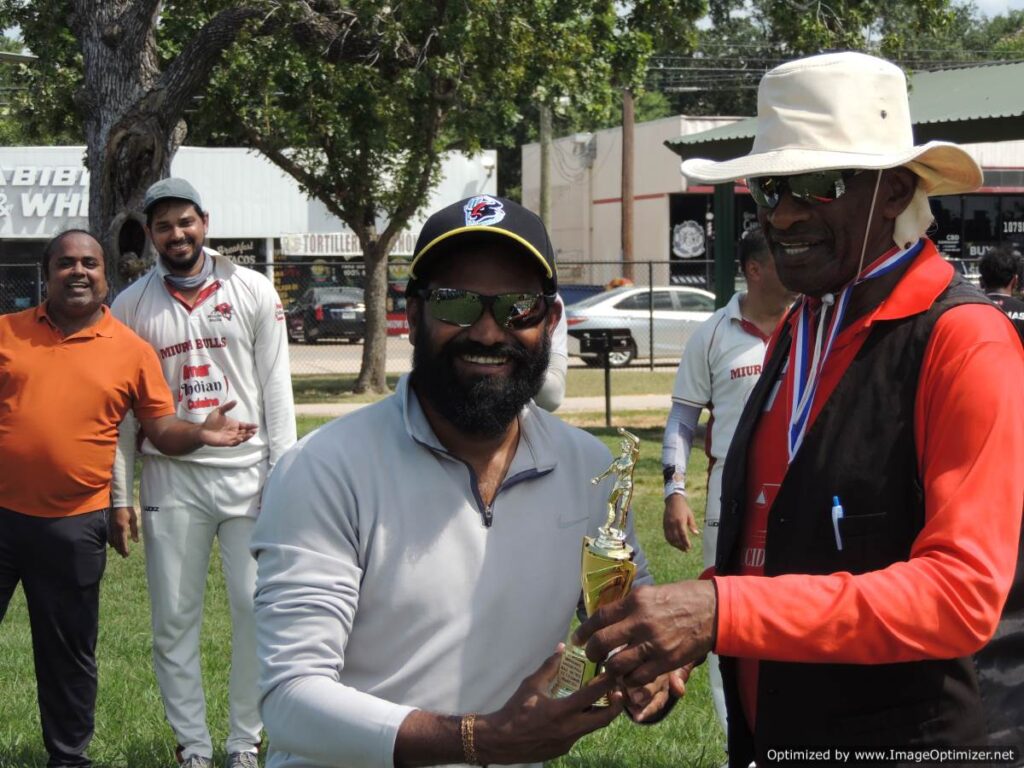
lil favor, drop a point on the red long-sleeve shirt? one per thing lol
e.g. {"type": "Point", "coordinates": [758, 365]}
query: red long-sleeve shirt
{"type": "Point", "coordinates": [945, 601]}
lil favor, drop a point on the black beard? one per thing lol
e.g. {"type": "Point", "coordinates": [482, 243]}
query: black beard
{"type": "Point", "coordinates": [482, 406]}
{"type": "Point", "coordinates": [185, 266]}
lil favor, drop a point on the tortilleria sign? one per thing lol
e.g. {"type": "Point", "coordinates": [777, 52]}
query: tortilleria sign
{"type": "Point", "coordinates": [343, 245]}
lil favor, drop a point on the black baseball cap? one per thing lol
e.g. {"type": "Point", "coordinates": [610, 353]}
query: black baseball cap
{"type": "Point", "coordinates": [484, 215]}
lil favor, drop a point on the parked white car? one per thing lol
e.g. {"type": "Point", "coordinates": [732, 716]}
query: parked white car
{"type": "Point", "coordinates": [676, 313]}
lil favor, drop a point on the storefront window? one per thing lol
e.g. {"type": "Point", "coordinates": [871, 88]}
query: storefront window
{"type": "Point", "coordinates": [948, 212]}
{"type": "Point", "coordinates": [1011, 224]}
{"type": "Point", "coordinates": [981, 215]}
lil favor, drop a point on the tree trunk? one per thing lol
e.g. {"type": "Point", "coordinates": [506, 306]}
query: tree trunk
{"type": "Point", "coordinates": [122, 166]}
{"type": "Point", "coordinates": [373, 370]}
{"type": "Point", "coordinates": [120, 65]}
{"type": "Point", "coordinates": [133, 112]}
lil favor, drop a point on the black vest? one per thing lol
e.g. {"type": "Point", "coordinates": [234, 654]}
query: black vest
{"type": "Point", "coordinates": [861, 448]}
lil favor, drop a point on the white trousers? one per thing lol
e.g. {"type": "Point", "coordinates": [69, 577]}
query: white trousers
{"type": "Point", "coordinates": [710, 543]}
{"type": "Point", "coordinates": [186, 506]}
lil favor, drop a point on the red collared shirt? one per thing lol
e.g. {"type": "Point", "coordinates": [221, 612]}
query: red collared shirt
{"type": "Point", "coordinates": [945, 601]}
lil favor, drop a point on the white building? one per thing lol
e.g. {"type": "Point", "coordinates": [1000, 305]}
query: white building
{"type": "Point", "coordinates": [586, 193]}
{"type": "Point", "coordinates": [258, 214]}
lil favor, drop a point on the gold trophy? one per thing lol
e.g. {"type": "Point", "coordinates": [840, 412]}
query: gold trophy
{"type": "Point", "coordinates": [607, 567]}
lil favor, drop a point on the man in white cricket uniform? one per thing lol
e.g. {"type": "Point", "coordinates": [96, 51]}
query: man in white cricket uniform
{"type": "Point", "coordinates": [552, 391]}
{"type": "Point", "coordinates": [718, 370]}
{"type": "Point", "coordinates": [420, 558]}
{"type": "Point", "coordinates": [219, 332]}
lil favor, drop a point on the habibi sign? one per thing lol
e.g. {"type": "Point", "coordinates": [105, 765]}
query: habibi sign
{"type": "Point", "coordinates": [41, 199]}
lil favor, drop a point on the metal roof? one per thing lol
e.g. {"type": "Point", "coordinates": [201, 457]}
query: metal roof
{"type": "Point", "coordinates": [965, 105]}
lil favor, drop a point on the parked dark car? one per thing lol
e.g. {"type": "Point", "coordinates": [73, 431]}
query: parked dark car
{"type": "Point", "coordinates": [329, 312]}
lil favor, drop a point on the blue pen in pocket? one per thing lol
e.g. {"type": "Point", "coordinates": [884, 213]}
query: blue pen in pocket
{"type": "Point", "coordinates": [837, 515]}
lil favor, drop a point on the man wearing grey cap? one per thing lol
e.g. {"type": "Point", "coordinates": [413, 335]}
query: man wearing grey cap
{"type": "Point", "coordinates": [419, 559]}
{"type": "Point", "coordinates": [867, 588]}
{"type": "Point", "coordinates": [219, 332]}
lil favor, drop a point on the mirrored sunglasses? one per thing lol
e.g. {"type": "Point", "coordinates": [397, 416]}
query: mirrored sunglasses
{"type": "Point", "coordinates": [815, 188]}
{"type": "Point", "coordinates": [463, 308]}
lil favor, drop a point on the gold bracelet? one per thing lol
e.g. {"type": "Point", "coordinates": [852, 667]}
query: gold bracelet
{"type": "Point", "coordinates": [468, 745]}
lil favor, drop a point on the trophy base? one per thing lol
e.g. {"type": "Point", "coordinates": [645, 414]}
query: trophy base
{"type": "Point", "coordinates": [574, 672]}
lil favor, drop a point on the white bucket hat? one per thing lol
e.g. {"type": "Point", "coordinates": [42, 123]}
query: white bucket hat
{"type": "Point", "coordinates": [838, 111]}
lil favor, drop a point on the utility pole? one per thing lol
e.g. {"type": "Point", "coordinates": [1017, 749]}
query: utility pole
{"type": "Point", "coordinates": [545, 169]}
{"type": "Point", "coordinates": [627, 184]}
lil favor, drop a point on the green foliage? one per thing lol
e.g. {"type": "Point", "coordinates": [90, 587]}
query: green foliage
{"type": "Point", "coordinates": [40, 96]}
{"type": "Point", "coordinates": [804, 27]}
{"type": "Point", "coordinates": [1002, 36]}
{"type": "Point", "coordinates": [365, 133]}
{"type": "Point", "coordinates": [746, 39]}
{"type": "Point", "coordinates": [604, 47]}
{"type": "Point", "coordinates": [360, 130]}
{"type": "Point", "coordinates": [649, 26]}
{"type": "Point", "coordinates": [733, 53]}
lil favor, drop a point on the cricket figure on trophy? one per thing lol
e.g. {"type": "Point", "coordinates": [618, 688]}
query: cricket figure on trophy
{"type": "Point", "coordinates": [607, 568]}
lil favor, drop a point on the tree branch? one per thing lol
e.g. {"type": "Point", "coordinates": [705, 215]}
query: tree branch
{"type": "Point", "coordinates": [307, 180]}
{"type": "Point", "coordinates": [341, 36]}
{"type": "Point", "coordinates": [191, 69]}
{"type": "Point", "coordinates": [413, 192]}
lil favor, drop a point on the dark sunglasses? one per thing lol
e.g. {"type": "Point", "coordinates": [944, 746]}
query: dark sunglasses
{"type": "Point", "coordinates": [817, 187]}
{"type": "Point", "coordinates": [463, 308]}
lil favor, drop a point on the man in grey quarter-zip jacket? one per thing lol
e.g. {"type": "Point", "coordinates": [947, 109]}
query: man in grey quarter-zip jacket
{"type": "Point", "coordinates": [418, 560]}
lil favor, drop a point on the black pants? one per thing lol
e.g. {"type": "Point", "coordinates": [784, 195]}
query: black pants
{"type": "Point", "coordinates": [59, 562]}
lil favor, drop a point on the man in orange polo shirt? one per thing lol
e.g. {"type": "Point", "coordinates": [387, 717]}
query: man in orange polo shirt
{"type": "Point", "coordinates": [69, 371]}
{"type": "Point", "coordinates": [867, 589]}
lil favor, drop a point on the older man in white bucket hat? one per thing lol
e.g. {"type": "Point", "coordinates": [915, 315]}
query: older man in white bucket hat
{"type": "Point", "coordinates": [870, 528]}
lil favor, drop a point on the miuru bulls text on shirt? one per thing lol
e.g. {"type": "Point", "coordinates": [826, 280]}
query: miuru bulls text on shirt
{"type": "Point", "coordinates": [745, 370]}
{"type": "Point", "coordinates": [190, 344]}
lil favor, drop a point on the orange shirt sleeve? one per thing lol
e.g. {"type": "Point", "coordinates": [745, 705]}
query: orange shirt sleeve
{"type": "Point", "coordinates": [152, 398]}
{"type": "Point", "coordinates": [945, 601]}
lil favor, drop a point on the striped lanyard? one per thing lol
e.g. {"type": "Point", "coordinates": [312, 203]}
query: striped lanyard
{"type": "Point", "coordinates": [809, 361]}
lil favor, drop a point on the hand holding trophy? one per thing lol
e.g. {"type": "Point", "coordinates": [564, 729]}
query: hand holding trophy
{"type": "Point", "coordinates": [607, 568]}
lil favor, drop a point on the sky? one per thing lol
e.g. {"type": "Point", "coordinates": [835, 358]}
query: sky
{"type": "Point", "coordinates": [995, 7]}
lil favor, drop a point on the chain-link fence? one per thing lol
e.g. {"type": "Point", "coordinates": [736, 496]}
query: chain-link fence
{"type": "Point", "coordinates": [660, 304]}
{"type": "Point", "coordinates": [21, 286]}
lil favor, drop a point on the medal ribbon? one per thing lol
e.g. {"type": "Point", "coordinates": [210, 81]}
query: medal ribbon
{"type": "Point", "coordinates": [809, 360]}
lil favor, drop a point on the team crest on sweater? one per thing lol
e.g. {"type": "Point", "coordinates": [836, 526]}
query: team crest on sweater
{"type": "Point", "coordinates": [221, 312]}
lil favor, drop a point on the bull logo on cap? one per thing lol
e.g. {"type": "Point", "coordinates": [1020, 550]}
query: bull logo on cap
{"type": "Point", "coordinates": [483, 211]}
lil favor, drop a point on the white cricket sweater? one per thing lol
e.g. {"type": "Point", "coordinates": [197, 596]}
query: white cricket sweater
{"type": "Point", "coordinates": [232, 345]}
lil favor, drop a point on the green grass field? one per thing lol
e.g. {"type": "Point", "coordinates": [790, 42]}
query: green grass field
{"type": "Point", "coordinates": [130, 727]}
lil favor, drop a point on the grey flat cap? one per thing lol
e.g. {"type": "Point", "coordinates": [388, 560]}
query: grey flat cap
{"type": "Point", "coordinates": [171, 189]}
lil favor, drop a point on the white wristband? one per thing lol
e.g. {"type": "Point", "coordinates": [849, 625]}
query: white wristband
{"type": "Point", "coordinates": [672, 488]}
